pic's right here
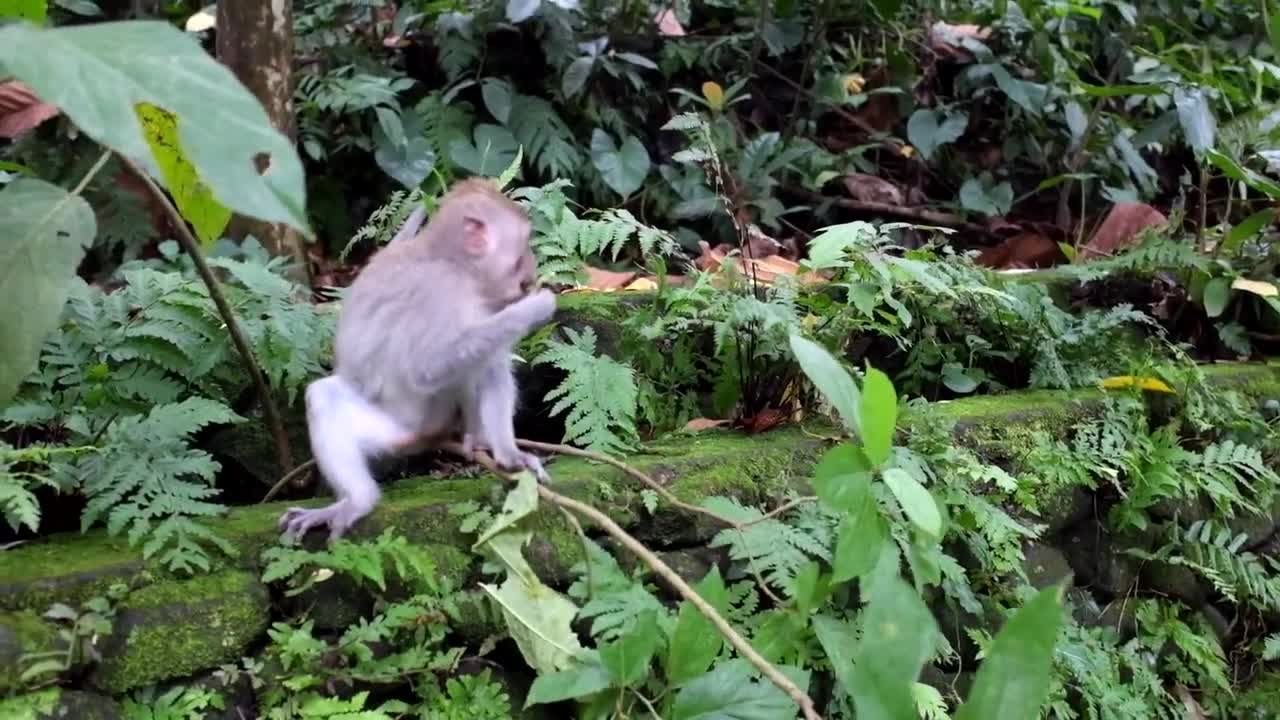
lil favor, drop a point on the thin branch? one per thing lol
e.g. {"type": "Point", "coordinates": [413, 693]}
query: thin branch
{"type": "Point", "coordinates": [663, 570]}
{"type": "Point", "coordinates": [93, 172]}
{"type": "Point", "coordinates": [188, 241]}
{"type": "Point", "coordinates": [294, 473]}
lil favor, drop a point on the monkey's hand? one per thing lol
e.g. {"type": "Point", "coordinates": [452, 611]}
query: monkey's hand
{"type": "Point", "coordinates": [538, 308]}
{"type": "Point", "coordinates": [517, 460]}
{"type": "Point", "coordinates": [338, 516]}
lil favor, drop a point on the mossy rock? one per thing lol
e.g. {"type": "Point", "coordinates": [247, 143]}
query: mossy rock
{"type": "Point", "coordinates": [58, 704]}
{"type": "Point", "coordinates": [23, 633]}
{"type": "Point", "coordinates": [180, 627]}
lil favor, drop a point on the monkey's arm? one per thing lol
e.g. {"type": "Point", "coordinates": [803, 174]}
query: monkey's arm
{"type": "Point", "coordinates": [445, 364]}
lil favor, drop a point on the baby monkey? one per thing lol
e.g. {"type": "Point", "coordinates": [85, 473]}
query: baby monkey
{"type": "Point", "coordinates": [424, 339]}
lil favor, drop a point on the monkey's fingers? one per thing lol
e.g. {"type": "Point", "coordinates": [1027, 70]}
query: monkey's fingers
{"type": "Point", "coordinates": [297, 521]}
{"type": "Point", "coordinates": [534, 465]}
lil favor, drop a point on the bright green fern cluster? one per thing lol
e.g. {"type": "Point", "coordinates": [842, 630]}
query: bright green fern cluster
{"type": "Point", "coordinates": [598, 392]}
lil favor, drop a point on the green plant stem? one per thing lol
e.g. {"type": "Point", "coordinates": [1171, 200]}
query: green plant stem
{"type": "Point", "coordinates": [663, 570]}
{"type": "Point", "coordinates": [1204, 206]}
{"type": "Point", "coordinates": [284, 456]}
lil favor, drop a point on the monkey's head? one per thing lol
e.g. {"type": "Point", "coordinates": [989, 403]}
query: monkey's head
{"type": "Point", "coordinates": [488, 235]}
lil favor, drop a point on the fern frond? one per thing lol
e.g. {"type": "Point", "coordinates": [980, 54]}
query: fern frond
{"type": "Point", "coordinates": [598, 393]}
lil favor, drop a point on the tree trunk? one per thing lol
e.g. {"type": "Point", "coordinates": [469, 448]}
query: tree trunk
{"type": "Point", "coordinates": [255, 40]}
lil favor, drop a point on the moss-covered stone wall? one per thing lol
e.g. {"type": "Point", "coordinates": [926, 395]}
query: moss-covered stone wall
{"type": "Point", "coordinates": [170, 627]}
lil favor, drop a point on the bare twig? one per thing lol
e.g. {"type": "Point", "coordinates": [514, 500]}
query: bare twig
{"type": "Point", "coordinates": [666, 573]}
{"type": "Point", "coordinates": [284, 455]}
{"type": "Point", "coordinates": [294, 473]}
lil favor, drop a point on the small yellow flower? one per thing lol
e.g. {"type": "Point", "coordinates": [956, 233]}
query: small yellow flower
{"type": "Point", "coordinates": [714, 94]}
{"type": "Point", "coordinates": [853, 83]}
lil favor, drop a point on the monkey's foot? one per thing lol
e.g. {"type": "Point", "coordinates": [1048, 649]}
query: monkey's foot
{"type": "Point", "coordinates": [339, 517]}
{"type": "Point", "coordinates": [518, 460]}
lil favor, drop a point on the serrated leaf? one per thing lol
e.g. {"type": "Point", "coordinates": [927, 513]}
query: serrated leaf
{"type": "Point", "coordinates": [45, 233]}
{"type": "Point", "coordinates": [1014, 679]}
{"type": "Point", "coordinates": [879, 416]}
{"type": "Point", "coordinates": [193, 197]}
{"type": "Point", "coordinates": [831, 379]}
{"type": "Point", "coordinates": [695, 642]}
{"type": "Point", "coordinates": [1216, 294]}
{"type": "Point", "coordinates": [97, 73]}
{"type": "Point", "coordinates": [623, 169]}
{"type": "Point", "coordinates": [920, 507]}
{"type": "Point", "coordinates": [627, 658]}
{"type": "Point", "coordinates": [729, 692]}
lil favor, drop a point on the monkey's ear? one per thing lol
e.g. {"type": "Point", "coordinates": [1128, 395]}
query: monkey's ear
{"type": "Point", "coordinates": [475, 236]}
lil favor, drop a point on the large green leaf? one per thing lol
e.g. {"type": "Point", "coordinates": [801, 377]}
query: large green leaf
{"type": "Point", "coordinates": [578, 681]}
{"type": "Point", "coordinates": [1013, 681]}
{"type": "Point", "coordinates": [879, 416]}
{"type": "Point", "coordinates": [862, 534]}
{"type": "Point", "coordinates": [194, 198]}
{"type": "Point", "coordinates": [920, 507]}
{"type": "Point", "coordinates": [491, 150]}
{"type": "Point", "coordinates": [728, 692]}
{"type": "Point", "coordinates": [627, 658]}
{"type": "Point", "coordinates": [1216, 294]}
{"type": "Point", "coordinates": [831, 379]}
{"type": "Point", "coordinates": [842, 476]}
{"type": "Point", "coordinates": [43, 233]}
{"type": "Point", "coordinates": [695, 643]}
{"type": "Point", "coordinates": [623, 168]}
{"type": "Point", "coordinates": [97, 74]}
{"type": "Point", "coordinates": [898, 635]}
{"type": "Point", "coordinates": [34, 10]}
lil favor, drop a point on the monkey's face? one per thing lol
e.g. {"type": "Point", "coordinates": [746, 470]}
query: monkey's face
{"type": "Point", "coordinates": [513, 270]}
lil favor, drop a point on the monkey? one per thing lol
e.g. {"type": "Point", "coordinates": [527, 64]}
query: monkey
{"type": "Point", "coordinates": [423, 346]}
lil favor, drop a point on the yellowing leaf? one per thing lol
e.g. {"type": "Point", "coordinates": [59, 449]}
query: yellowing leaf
{"type": "Point", "coordinates": [643, 283]}
{"type": "Point", "coordinates": [714, 94]}
{"type": "Point", "coordinates": [853, 83]}
{"type": "Point", "coordinates": [1145, 383]}
{"type": "Point", "coordinates": [192, 196]}
{"type": "Point", "coordinates": [1257, 287]}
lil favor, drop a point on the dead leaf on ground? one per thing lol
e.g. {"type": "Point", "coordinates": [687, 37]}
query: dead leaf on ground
{"type": "Point", "coordinates": [642, 283]}
{"type": "Point", "coordinates": [668, 24]}
{"type": "Point", "coordinates": [1023, 251]}
{"type": "Point", "coordinates": [1120, 229]}
{"type": "Point", "coordinates": [947, 40]}
{"type": "Point", "coordinates": [21, 110]}
{"type": "Point", "coordinates": [766, 419]}
{"type": "Point", "coordinates": [606, 280]}
{"type": "Point", "coordinates": [869, 188]}
{"type": "Point", "coordinates": [765, 270]}
{"type": "Point", "coordinates": [698, 424]}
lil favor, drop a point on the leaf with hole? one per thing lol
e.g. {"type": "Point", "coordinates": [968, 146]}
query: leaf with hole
{"type": "Point", "coordinates": [623, 168]}
{"type": "Point", "coordinates": [46, 232]}
{"type": "Point", "coordinates": [97, 73]}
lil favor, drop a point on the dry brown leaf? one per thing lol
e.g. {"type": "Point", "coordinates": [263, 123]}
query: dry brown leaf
{"type": "Point", "coordinates": [945, 39]}
{"type": "Point", "coordinates": [869, 188]}
{"type": "Point", "coordinates": [766, 419]}
{"type": "Point", "coordinates": [606, 280]}
{"type": "Point", "coordinates": [21, 110]}
{"type": "Point", "coordinates": [698, 424]}
{"type": "Point", "coordinates": [1120, 229]}
{"type": "Point", "coordinates": [1022, 251]}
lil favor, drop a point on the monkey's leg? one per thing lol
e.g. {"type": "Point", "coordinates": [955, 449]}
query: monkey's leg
{"type": "Point", "coordinates": [345, 430]}
{"type": "Point", "coordinates": [492, 398]}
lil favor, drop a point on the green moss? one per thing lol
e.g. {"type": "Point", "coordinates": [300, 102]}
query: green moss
{"type": "Point", "coordinates": [176, 628]}
{"type": "Point", "coordinates": [31, 706]}
{"type": "Point", "coordinates": [22, 633]}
